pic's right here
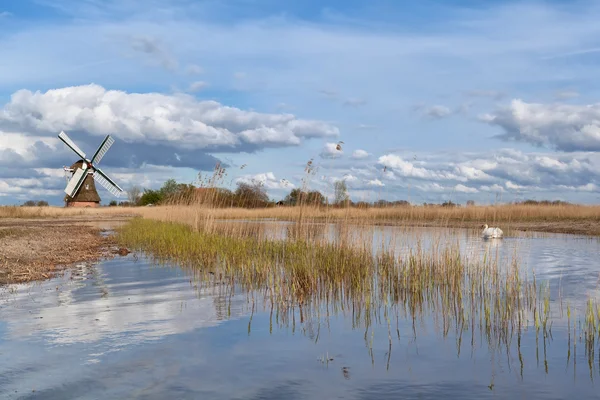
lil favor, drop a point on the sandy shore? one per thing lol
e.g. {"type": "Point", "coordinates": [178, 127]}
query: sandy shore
{"type": "Point", "coordinates": [35, 249]}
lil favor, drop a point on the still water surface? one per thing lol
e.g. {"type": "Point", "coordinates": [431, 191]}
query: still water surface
{"type": "Point", "coordinates": [126, 328]}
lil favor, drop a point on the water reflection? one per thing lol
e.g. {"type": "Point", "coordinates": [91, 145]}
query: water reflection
{"type": "Point", "coordinates": [128, 329]}
{"type": "Point", "coordinates": [126, 305]}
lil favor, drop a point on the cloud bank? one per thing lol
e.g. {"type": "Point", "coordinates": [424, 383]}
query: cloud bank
{"type": "Point", "coordinates": [557, 126]}
{"type": "Point", "coordinates": [152, 130]}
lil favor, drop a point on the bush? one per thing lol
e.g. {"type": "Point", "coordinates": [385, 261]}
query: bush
{"type": "Point", "coordinates": [251, 195]}
{"type": "Point", "coordinates": [150, 197]}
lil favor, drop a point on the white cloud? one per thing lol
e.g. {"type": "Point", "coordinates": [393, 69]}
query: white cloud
{"type": "Point", "coordinates": [513, 186]}
{"type": "Point", "coordinates": [194, 69]}
{"type": "Point", "coordinates": [432, 112]}
{"type": "Point", "coordinates": [152, 118]}
{"type": "Point", "coordinates": [360, 154]}
{"type": "Point", "coordinates": [330, 150]}
{"type": "Point", "coordinates": [457, 174]}
{"type": "Point", "coordinates": [465, 189]}
{"type": "Point", "coordinates": [328, 93]}
{"type": "Point", "coordinates": [431, 187]}
{"type": "Point", "coordinates": [559, 126]}
{"type": "Point", "coordinates": [197, 86]}
{"type": "Point", "coordinates": [437, 112]}
{"type": "Point", "coordinates": [375, 182]}
{"type": "Point", "coordinates": [348, 178]}
{"type": "Point", "coordinates": [494, 188]}
{"type": "Point", "coordinates": [408, 169]}
{"type": "Point", "coordinates": [268, 180]}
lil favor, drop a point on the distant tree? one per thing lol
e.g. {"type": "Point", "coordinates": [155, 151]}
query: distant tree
{"type": "Point", "coordinates": [449, 203]}
{"type": "Point", "coordinates": [315, 198]}
{"type": "Point", "coordinates": [381, 203]}
{"type": "Point", "coordinates": [544, 203]}
{"type": "Point", "coordinates": [362, 204]}
{"type": "Point", "coordinates": [341, 192]}
{"type": "Point", "coordinates": [150, 197]}
{"type": "Point", "coordinates": [133, 194]}
{"type": "Point", "coordinates": [169, 188]}
{"type": "Point", "coordinates": [42, 203]}
{"type": "Point", "coordinates": [297, 197]}
{"type": "Point", "coordinates": [251, 195]}
{"type": "Point", "coordinates": [29, 203]}
{"type": "Point", "coordinates": [470, 203]}
{"type": "Point", "coordinates": [294, 197]}
{"type": "Point", "coordinates": [223, 198]}
{"type": "Point", "coordinates": [113, 203]}
{"type": "Point", "coordinates": [177, 193]}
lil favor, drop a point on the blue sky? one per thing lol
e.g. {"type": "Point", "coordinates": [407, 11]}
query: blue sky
{"type": "Point", "coordinates": [436, 100]}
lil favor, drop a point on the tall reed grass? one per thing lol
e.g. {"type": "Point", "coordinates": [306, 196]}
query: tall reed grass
{"type": "Point", "coordinates": [62, 212]}
{"type": "Point", "coordinates": [309, 270]}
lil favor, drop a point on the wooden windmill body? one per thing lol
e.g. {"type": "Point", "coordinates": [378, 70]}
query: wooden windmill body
{"type": "Point", "coordinates": [81, 187]}
{"type": "Point", "coordinates": [87, 195]}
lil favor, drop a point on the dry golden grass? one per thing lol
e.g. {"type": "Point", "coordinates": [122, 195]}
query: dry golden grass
{"type": "Point", "coordinates": [60, 212]}
{"type": "Point", "coordinates": [561, 218]}
{"type": "Point", "coordinates": [492, 214]}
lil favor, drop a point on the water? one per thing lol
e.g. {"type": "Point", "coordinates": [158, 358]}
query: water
{"type": "Point", "coordinates": [126, 328]}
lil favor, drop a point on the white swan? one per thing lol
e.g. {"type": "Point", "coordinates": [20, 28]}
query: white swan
{"type": "Point", "coordinates": [491, 232]}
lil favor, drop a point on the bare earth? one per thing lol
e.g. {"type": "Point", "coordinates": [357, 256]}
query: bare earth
{"type": "Point", "coordinates": [35, 249]}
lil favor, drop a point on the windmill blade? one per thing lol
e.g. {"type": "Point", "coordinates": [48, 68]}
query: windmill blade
{"type": "Point", "coordinates": [108, 141]}
{"type": "Point", "coordinates": [76, 181]}
{"type": "Point", "coordinates": [67, 140]}
{"type": "Point", "coordinates": [107, 183]}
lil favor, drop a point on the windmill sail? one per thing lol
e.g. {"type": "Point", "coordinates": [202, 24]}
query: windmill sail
{"type": "Point", "coordinates": [76, 181]}
{"type": "Point", "coordinates": [88, 167]}
{"type": "Point", "coordinates": [107, 183]}
{"type": "Point", "coordinates": [108, 141]}
{"type": "Point", "coordinates": [67, 140]}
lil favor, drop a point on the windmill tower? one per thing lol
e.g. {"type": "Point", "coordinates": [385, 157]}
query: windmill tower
{"type": "Point", "coordinates": [81, 188]}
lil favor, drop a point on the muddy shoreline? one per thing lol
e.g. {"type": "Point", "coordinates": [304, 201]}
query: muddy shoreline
{"type": "Point", "coordinates": [37, 249]}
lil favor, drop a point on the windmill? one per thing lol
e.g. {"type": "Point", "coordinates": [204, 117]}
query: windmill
{"type": "Point", "coordinates": [81, 189]}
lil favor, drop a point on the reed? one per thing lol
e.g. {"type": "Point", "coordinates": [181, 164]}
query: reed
{"type": "Point", "coordinates": [51, 212]}
{"type": "Point", "coordinates": [577, 219]}
{"type": "Point", "coordinates": [489, 214]}
{"type": "Point", "coordinates": [340, 270]}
